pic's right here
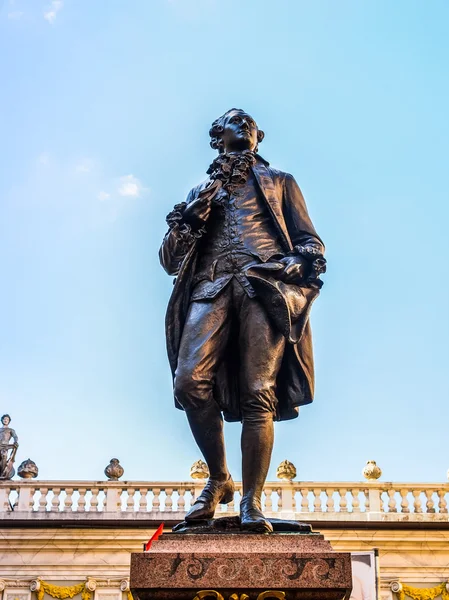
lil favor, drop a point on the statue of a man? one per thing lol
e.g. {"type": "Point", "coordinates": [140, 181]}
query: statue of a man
{"type": "Point", "coordinates": [247, 260]}
{"type": "Point", "coordinates": [7, 458]}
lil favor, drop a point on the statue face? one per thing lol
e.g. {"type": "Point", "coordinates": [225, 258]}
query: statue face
{"type": "Point", "coordinates": [6, 421]}
{"type": "Point", "coordinates": [239, 132]}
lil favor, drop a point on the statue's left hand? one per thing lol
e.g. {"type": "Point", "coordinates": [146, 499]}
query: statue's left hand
{"type": "Point", "coordinates": [295, 268]}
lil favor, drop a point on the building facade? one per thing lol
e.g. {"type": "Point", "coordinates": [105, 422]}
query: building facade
{"type": "Point", "coordinates": [56, 535]}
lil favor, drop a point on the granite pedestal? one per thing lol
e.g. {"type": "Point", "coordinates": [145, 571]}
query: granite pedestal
{"type": "Point", "coordinates": [241, 566]}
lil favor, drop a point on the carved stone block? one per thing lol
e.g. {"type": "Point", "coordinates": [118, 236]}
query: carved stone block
{"type": "Point", "coordinates": [180, 567]}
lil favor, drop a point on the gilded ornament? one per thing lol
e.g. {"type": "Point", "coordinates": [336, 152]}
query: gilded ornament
{"type": "Point", "coordinates": [114, 470]}
{"type": "Point", "coordinates": [27, 469]}
{"type": "Point", "coordinates": [204, 594]}
{"type": "Point", "coordinates": [371, 471]}
{"type": "Point", "coordinates": [286, 470]}
{"type": "Point", "coordinates": [402, 590]}
{"type": "Point", "coordinates": [61, 592]}
{"type": "Point", "coordinates": [199, 470]}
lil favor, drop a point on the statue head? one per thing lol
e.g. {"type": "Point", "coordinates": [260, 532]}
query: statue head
{"type": "Point", "coordinates": [6, 420]}
{"type": "Point", "coordinates": [235, 131]}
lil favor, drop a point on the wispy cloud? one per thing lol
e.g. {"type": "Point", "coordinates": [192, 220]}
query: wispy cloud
{"type": "Point", "coordinates": [52, 11]}
{"type": "Point", "coordinates": [102, 196]}
{"type": "Point", "coordinates": [15, 15]}
{"type": "Point", "coordinates": [130, 186]}
{"type": "Point", "coordinates": [87, 194]}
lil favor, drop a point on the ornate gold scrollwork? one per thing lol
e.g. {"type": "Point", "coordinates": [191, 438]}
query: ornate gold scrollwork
{"type": "Point", "coordinates": [402, 590]}
{"type": "Point", "coordinates": [208, 594]}
{"type": "Point", "coordinates": [217, 596]}
{"type": "Point", "coordinates": [62, 592]}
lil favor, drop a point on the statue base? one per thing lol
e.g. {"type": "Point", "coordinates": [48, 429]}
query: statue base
{"type": "Point", "coordinates": [241, 566]}
{"type": "Point", "coordinates": [232, 525]}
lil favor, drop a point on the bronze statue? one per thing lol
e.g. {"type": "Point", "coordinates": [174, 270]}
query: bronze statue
{"type": "Point", "coordinates": [7, 450]}
{"type": "Point", "coordinates": [247, 262]}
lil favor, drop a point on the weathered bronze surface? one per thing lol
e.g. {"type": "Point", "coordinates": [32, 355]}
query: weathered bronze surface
{"type": "Point", "coordinates": [247, 261]}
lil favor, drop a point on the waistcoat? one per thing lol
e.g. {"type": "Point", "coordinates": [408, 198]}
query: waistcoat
{"type": "Point", "coordinates": [240, 232]}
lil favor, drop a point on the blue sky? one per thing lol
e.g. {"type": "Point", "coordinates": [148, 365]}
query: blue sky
{"type": "Point", "coordinates": [105, 110]}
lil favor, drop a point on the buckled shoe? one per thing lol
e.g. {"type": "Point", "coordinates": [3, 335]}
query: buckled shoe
{"type": "Point", "coordinates": [214, 492]}
{"type": "Point", "coordinates": [252, 518]}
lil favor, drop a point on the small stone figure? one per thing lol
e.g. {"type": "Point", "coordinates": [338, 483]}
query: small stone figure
{"type": "Point", "coordinates": [371, 471]}
{"type": "Point", "coordinates": [7, 450]}
{"type": "Point", "coordinates": [286, 470]}
{"type": "Point", "coordinates": [28, 469]}
{"type": "Point", "coordinates": [114, 470]}
{"type": "Point", "coordinates": [199, 470]}
{"type": "Point", "coordinates": [247, 262]}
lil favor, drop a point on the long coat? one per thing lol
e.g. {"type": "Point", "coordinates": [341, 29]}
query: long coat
{"type": "Point", "coordinates": [178, 256]}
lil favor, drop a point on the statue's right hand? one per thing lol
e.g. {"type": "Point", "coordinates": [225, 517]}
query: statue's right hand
{"type": "Point", "coordinates": [197, 212]}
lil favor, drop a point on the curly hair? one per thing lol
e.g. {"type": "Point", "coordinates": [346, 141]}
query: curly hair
{"type": "Point", "coordinates": [217, 129]}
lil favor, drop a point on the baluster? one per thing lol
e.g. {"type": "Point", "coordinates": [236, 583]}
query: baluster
{"type": "Point", "coordinates": [168, 499]}
{"type": "Point", "coordinates": [417, 501]}
{"type": "Point", "coordinates": [317, 500]}
{"type": "Point", "coordinates": [366, 492]}
{"type": "Point", "coordinates": [156, 500]}
{"type": "Point", "coordinates": [43, 500]}
{"type": "Point", "coordinates": [130, 500]}
{"type": "Point", "coordinates": [268, 500]}
{"type": "Point", "coordinates": [94, 500]}
{"type": "Point", "coordinates": [68, 500]}
{"type": "Point", "coordinates": [5, 492]}
{"type": "Point", "coordinates": [82, 500]}
{"type": "Point", "coordinates": [304, 500]}
{"type": "Point", "coordinates": [355, 501]}
{"type": "Point", "coordinates": [391, 501]}
{"type": "Point", "coordinates": [143, 500]}
{"type": "Point", "coordinates": [330, 500]}
{"type": "Point", "coordinates": [430, 505]}
{"type": "Point", "coordinates": [279, 493]}
{"type": "Point", "coordinates": [55, 500]}
{"type": "Point", "coordinates": [31, 505]}
{"type": "Point", "coordinates": [442, 504]}
{"type": "Point", "coordinates": [404, 501]}
{"type": "Point", "coordinates": [343, 500]}
{"type": "Point", "coordinates": [181, 500]}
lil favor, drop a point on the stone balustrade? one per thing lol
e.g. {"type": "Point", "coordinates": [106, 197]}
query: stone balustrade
{"type": "Point", "coordinates": [79, 501]}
